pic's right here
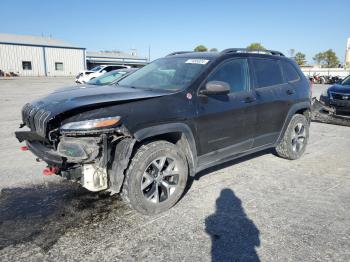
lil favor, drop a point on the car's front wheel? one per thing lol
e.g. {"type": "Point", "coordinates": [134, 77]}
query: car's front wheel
{"type": "Point", "coordinates": [156, 177]}
{"type": "Point", "coordinates": [295, 138]}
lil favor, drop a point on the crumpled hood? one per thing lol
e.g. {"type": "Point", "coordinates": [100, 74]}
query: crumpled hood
{"type": "Point", "coordinates": [69, 98]}
{"type": "Point", "coordinates": [340, 89]}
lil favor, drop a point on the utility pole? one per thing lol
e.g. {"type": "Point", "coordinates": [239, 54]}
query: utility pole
{"type": "Point", "coordinates": [149, 53]}
{"type": "Point", "coordinates": [292, 51]}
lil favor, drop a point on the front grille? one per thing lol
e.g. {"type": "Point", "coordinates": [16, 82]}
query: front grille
{"type": "Point", "coordinates": [340, 96]}
{"type": "Point", "coordinates": [35, 118]}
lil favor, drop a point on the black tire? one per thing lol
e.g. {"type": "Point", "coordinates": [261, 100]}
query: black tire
{"type": "Point", "coordinates": [145, 164]}
{"type": "Point", "coordinates": [294, 141]}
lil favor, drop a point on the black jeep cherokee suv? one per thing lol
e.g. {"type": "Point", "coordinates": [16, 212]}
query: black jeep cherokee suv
{"type": "Point", "coordinates": [180, 114]}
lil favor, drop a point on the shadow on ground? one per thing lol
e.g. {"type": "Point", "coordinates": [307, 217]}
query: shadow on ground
{"type": "Point", "coordinates": [42, 214]}
{"type": "Point", "coordinates": [234, 236]}
{"type": "Point", "coordinates": [213, 169]}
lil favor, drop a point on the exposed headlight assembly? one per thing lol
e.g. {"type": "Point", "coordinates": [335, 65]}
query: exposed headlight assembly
{"type": "Point", "coordinates": [92, 124]}
{"type": "Point", "coordinates": [325, 92]}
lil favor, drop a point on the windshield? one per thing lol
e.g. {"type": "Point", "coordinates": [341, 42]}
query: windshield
{"type": "Point", "coordinates": [106, 78]}
{"type": "Point", "coordinates": [96, 68]}
{"type": "Point", "coordinates": [171, 73]}
{"type": "Point", "coordinates": [346, 81]}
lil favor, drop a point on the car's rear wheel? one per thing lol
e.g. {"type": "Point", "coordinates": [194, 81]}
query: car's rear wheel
{"type": "Point", "coordinates": [293, 144]}
{"type": "Point", "coordinates": [156, 177]}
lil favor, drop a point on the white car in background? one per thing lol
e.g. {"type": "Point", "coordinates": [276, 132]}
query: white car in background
{"type": "Point", "coordinates": [87, 75]}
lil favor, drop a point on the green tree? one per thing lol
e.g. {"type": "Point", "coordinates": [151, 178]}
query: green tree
{"type": "Point", "coordinates": [319, 58]}
{"type": "Point", "coordinates": [256, 46]}
{"type": "Point", "coordinates": [201, 48]}
{"type": "Point", "coordinates": [213, 49]}
{"type": "Point", "coordinates": [331, 58]}
{"type": "Point", "coordinates": [300, 58]}
{"type": "Point", "coordinates": [327, 59]}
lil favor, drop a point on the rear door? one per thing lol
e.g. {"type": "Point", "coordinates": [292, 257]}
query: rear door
{"type": "Point", "coordinates": [274, 97]}
{"type": "Point", "coordinates": [225, 123]}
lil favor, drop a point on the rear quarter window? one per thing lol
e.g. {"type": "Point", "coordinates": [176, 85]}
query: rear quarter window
{"type": "Point", "coordinates": [267, 72]}
{"type": "Point", "coordinates": [289, 72]}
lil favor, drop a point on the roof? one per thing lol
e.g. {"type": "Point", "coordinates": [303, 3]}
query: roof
{"type": "Point", "coordinates": [114, 54]}
{"type": "Point", "coordinates": [32, 40]}
{"type": "Point", "coordinates": [209, 55]}
{"type": "Point", "coordinates": [231, 51]}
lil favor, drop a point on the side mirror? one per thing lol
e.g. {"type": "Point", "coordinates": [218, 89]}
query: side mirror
{"type": "Point", "coordinates": [216, 88]}
{"type": "Point", "coordinates": [103, 71]}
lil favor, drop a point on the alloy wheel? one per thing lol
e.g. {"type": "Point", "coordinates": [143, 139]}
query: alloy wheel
{"type": "Point", "coordinates": [298, 137]}
{"type": "Point", "coordinates": [160, 179]}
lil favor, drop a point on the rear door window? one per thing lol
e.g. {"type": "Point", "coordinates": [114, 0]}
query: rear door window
{"type": "Point", "coordinates": [267, 72]}
{"type": "Point", "coordinates": [108, 68]}
{"type": "Point", "coordinates": [289, 72]}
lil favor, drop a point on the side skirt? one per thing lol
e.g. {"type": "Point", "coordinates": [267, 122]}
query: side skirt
{"type": "Point", "coordinates": [218, 159]}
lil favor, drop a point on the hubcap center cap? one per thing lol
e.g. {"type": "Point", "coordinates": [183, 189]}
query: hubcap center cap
{"type": "Point", "coordinates": [158, 177]}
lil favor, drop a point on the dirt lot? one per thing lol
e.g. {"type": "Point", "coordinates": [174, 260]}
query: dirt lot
{"type": "Point", "coordinates": [260, 207]}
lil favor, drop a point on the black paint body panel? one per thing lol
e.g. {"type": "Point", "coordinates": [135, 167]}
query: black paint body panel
{"type": "Point", "coordinates": [217, 127]}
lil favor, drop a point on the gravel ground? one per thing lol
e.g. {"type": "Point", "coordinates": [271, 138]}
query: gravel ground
{"type": "Point", "coordinates": [259, 207]}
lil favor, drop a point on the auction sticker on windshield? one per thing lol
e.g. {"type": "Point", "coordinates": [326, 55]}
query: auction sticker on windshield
{"type": "Point", "coordinates": [197, 61]}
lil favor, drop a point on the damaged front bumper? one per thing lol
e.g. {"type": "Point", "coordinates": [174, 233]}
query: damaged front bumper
{"type": "Point", "coordinates": [50, 156]}
{"type": "Point", "coordinates": [335, 106]}
{"type": "Point", "coordinates": [84, 158]}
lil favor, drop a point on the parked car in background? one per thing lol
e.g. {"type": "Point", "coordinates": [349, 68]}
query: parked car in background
{"type": "Point", "coordinates": [111, 77]}
{"type": "Point", "coordinates": [336, 99]}
{"type": "Point", "coordinates": [97, 71]}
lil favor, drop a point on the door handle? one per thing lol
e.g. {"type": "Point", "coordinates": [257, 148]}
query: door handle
{"type": "Point", "coordinates": [249, 99]}
{"type": "Point", "coordinates": [290, 92]}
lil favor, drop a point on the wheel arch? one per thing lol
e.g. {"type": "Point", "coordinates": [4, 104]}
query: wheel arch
{"type": "Point", "coordinates": [303, 108]}
{"type": "Point", "coordinates": [176, 133]}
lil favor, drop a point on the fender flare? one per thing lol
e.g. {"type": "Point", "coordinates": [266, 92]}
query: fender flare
{"type": "Point", "coordinates": [292, 110]}
{"type": "Point", "coordinates": [152, 131]}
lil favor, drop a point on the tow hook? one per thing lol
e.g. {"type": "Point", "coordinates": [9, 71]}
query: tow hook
{"type": "Point", "coordinates": [48, 171]}
{"type": "Point", "coordinates": [24, 148]}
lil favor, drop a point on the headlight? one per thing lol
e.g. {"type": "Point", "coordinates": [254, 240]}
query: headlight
{"type": "Point", "coordinates": [92, 124]}
{"type": "Point", "coordinates": [325, 92]}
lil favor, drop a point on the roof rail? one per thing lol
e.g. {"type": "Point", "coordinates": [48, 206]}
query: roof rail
{"type": "Point", "coordinates": [179, 53]}
{"type": "Point", "coordinates": [246, 50]}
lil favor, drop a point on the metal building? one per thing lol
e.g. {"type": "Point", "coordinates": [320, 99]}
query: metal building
{"type": "Point", "coordinates": [28, 55]}
{"type": "Point", "coordinates": [114, 57]}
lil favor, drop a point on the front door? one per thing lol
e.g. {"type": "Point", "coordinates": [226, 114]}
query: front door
{"type": "Point", "coordinates": [225, 123]}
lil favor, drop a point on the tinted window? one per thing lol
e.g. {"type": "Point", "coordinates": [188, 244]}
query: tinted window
{"type": "Point", "coordinates": [108, 68]}
{"type": "Point", "coordinates": [115, 68]}
{"type": "Point", "coordinates": [267, 72]}
{"type": "Point", "coordinates": [290, 74]}
{"type": "Point", "coordinates": [235, 73]}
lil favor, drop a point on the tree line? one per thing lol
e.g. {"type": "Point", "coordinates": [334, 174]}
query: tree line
{"type": "Point", "coordinates": [326, 59]}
